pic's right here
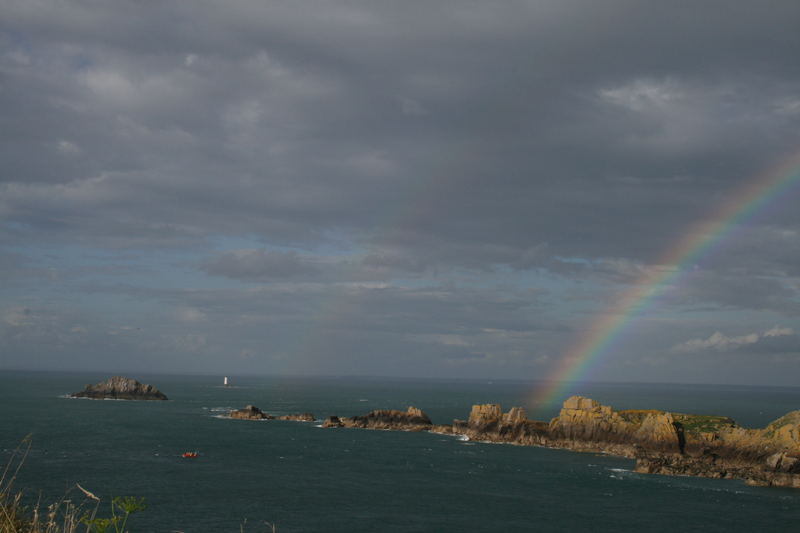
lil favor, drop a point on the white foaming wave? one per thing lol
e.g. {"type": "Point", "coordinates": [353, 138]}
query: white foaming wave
{"type": "Point", "coordinates": [228, 417]}
{"type": "Point", "coordinates": [70, 397]}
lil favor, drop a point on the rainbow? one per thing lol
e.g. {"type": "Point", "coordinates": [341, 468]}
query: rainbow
{"type": "Point", "coordinates": [699, 241]}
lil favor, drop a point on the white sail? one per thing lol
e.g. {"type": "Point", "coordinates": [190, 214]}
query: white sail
{"type": "Point", "coordinates": [225, 381]}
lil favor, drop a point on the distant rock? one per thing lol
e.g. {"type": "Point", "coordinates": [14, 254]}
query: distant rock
{"type": "Point", "coordinates": [487, 422]}
{"type": "Point", "coordinates": [412, 419]}
{"type": "Point", "coordinates": [332, 422]}
{"type": "Point", "coordinates": [250, 412]}
{"type": "Point", "coordinates": [120, 388]}
{"type": "Point", "coordinates": [301, 417]}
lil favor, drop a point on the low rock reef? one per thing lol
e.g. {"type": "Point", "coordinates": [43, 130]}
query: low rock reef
{"type": "Point", "coordinates": [251, 412]}
{"type": "Point", "coordinates": [120, 388]}
{"type": "Point", "coordinates": [661, 442]}
{"type": "Point", "coordinates": [412, 419]}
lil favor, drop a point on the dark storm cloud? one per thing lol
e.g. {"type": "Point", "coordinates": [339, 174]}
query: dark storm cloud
{"type": "Point", "coordinates": [522, 126]}
{"type": "Point", "coordinates": [436, 144]}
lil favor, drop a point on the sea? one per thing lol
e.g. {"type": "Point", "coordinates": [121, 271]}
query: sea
{"type": "Point", "coordinates": [300, 477]}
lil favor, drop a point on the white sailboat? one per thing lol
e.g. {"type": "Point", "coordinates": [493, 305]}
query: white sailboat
{"type": "Point", "coordinates": [225, 381]}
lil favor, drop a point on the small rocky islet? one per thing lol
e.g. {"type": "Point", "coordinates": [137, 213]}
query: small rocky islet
{"type": "Point", "coordinates": [120, 388]}
{"type": "Point", "coordinates": [660, 442]}
{"type": "Point", "coordinates": [251, 412]}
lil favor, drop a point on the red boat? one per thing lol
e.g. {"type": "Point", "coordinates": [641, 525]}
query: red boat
{"type": "Point", "coordinates": [189, 455]}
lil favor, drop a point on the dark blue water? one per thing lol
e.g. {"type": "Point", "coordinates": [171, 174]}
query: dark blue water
{"type": "Point", "coordinates": [305, 478]}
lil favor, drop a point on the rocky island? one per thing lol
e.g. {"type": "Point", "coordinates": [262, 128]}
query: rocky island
{"type": "Point", "coordinates": [660, 442]}
{"type": "Point", "coordinates": [120, 388]}
{"type": "Point", "coordinates": [251, 412]}
{"type": "Point", "coordinates": [412, 419]}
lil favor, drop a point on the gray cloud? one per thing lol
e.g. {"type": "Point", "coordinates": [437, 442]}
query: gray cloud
{"type": "Point", "coordinates": [295, 327]}
{"type": "Point", "coordinates": [707, 288]}
{"type": "Point", "coordinates": [293, 136]}
{"type": "Point", "coordinates": [258, 265]}
{"type": "Point", "coordinates": [434, 166]}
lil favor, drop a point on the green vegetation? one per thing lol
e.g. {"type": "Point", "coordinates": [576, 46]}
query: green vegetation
{"type": "Point", "coordinates": [637, 416]}
{"type": "Point", "coordinates": [703, 423]}
{"type": "Point", "coordinates": [63, 516]}
{"type": "Point", "coordinates": [121, 509]}
{"type": "Point", "coordinates": [691, 423]}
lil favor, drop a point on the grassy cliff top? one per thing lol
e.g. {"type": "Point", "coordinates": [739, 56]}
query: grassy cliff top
{"type": "Point", "coordinates": [703, 423]}
{"type": "Point", "coordinates": [690, 423]}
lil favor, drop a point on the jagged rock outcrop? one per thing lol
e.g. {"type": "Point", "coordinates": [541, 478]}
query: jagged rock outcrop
{"type": "Point", "coordinates": [250, 412]}
{"type": "Point", "coordinates": [717, 447]}
{"type": "Point", "coordinates": [585, 420]}
{"type": "Point", "coordinates": [412, 419]}
{"type": "Point", "coordinates": [120, 388]}
{"type": "Point", "coordinates": [488, 423]}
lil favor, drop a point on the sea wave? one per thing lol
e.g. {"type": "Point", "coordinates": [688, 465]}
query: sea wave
{"type": "Point", "coordinates": [70, 397]}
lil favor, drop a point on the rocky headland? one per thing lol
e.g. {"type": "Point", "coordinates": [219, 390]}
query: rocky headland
{"type": "Point", "coordinates": [251, 412]}
{"type": "Point", "coordinates": [120, 388]}
{"type": "Point", "coordinates": [660, 442]}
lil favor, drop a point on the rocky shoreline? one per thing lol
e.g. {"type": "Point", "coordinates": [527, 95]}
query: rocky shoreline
{"type": "Point", "coordinates": [661, 442]}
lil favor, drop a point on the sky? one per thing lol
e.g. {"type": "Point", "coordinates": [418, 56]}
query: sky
{"type": "Point", "coordinates": [419, 189]}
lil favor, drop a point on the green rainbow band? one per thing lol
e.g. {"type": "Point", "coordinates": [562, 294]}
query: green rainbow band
{"type": "Point", "coordinates": [698, 242]}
